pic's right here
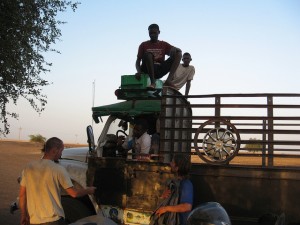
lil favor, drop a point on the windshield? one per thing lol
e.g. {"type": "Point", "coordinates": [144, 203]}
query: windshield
{"type": "Point", "coordinates": [116, 125]}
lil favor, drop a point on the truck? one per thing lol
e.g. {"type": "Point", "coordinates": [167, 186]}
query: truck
{"type": "Point", "coordinates": [244, 150]}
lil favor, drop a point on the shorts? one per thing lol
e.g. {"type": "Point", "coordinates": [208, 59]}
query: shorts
{"type": "Point", "coordinates": [61, 221]}
{"type": "Point", "coordinates": [160, 69]}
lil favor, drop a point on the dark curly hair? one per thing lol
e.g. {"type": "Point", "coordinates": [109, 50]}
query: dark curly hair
{"type": "Point", "coordinates": [183, 162]}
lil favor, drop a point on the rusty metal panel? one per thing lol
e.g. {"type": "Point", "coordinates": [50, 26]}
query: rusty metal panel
{"type": "Point", "coordinates": [128, 183]}
{"type": "Point", "coordinates": [108, 175]}
{"type": "Point", "coordinates": [146, 183]}
{"type": "Point", "coordinates": [249, 193]}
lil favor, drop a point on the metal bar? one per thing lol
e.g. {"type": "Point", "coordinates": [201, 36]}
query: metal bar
{"type": "Point", "coordinates": [237, 106]}
{"type": "Point", "coordinates": [234, 118]}
{"type": "Point", "coordinates": [241, 95]}
{"type": "Point", "coordinates": [264, 138]}
{"type": "Point", "coordinates": [271, 131]}
{"type": "Point", "coordinates": [217, 110]}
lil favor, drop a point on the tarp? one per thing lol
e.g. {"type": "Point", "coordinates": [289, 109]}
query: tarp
{"type": "Point", "coordinates": [130, 108]}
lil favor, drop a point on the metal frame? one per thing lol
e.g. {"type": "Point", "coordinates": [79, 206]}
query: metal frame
{"type": "Point", "coordinates": [273, 119]}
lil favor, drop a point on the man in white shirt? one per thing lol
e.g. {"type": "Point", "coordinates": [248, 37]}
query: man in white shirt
{"type": "Point", "coordinates": [184, 74]}
{"type": "Point", "coordinates": [140, 143]}
{"type": "Point", "coordinates": [40, 194]}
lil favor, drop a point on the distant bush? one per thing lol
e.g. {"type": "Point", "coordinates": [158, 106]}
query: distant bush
{"type": "Point", "coordinates": [37, 138]}
{"type": "Point", "coordinates": [255, 146]}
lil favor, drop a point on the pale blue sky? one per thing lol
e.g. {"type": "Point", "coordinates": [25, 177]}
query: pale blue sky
{"type": "Point", "coordinates": [246, 46]}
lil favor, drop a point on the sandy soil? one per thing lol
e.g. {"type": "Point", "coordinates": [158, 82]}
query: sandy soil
{"type": "Point", "coordinates": [14, 156]}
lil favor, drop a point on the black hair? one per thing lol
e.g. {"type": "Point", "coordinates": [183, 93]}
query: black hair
{"type": "Point", "coordinates": [183, 162]}
{"type": "Point", "coordinates": [51, 143]}
{"type": "Point", "coordinates": [153, 26]}
{"type": "Point", "coordinates": [186, 53]}
{"type": "Point", "coordinates": [143, 123]}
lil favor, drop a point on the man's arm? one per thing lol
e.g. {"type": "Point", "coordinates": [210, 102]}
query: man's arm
{"type": "Point", "coordinates": [75, 193]}
{"type": "Point", "coordinates": [138, 68]}
{"type": "Point", "coordinates": [23, 206]}
{"type": "Point", "coordinates": [187, 87]}
{"type": "Point", "coordinates": [184, 207]}
{"type": "Point", "coordinates": [138, 65]}
{"type": "Point", "coordinates": [190, 77]}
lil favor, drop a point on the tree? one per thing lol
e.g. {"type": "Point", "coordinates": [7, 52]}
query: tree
{"type": "Point", "coordinates": [28, 29]}
{"type": "Point", "coordinates": [37, 138]}
{"type": "Point", "coordinates": [254, 145]}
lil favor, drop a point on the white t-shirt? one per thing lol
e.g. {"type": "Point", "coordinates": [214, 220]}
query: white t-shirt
{"type": "Point", "coordinates": [143, 144]}
{"type": "Point", "coordinates": [182, 75]}
{"type": "Point", "coordinates": [42, 180]}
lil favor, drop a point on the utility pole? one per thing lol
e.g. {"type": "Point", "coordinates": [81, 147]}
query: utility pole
{"type": "Point", "coordinates": [93, 99]}
{"type": "Point", "coordinates": [20, 129]}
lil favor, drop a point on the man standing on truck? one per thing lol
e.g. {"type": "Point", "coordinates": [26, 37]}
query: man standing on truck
{"type": "Point", "coordinates": [152, 54]}
{"type": "Point", "coordinates": [180, 166]}
{"type": "Point", "coordinates": [40, 197]}
{"type": "Point", "coordinates": [184, 74]}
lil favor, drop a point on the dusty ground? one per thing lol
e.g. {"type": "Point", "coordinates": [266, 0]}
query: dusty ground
{"type": "Point", "coordinates": [14, 156]}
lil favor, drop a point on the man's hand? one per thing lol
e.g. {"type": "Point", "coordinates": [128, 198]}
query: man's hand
{"type": "Point", "coordinates": [161, 210]}
{"type": "Point", "coordinates": [91, 190]}
{"type": "Point", "coordinates": [138, 76]}
{"type": "Point", "coordinates": [120, 140]}
{"type": "Point", "coordinates": [166, 193]}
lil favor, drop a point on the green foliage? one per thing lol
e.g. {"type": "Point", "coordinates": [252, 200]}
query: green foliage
{"type": "Point", "coordinates": [28, 28]}
{"type": "Point", "coordinates": [254, 146]}
{"type": "Point", "coordinates": [37, 138]}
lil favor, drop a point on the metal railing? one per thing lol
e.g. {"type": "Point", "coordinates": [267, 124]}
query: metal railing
{"type": "Point", "coordinates": [268, 126]}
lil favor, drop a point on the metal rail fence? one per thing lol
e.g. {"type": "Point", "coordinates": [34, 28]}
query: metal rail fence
{"type": "Point", "coordinates": [233, 129]}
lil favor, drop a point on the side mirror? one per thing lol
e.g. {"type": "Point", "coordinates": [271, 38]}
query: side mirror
{"type": "Point", "coordinates": [90, 136]}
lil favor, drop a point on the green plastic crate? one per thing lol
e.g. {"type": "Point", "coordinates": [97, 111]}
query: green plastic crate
{"type": "Point", "coordinates": [130, 82]}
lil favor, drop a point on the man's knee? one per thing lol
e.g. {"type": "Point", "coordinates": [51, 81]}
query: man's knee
{"type": "Point", "coordinates": [148, 56]}
{"type": "Point", "coordinates": [179, 54]}
{"type": "Point", "coordinates": [175, 53]}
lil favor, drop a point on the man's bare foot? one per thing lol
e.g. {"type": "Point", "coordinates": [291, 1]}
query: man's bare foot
{"type": "Point", "coordinates": [151, 87]}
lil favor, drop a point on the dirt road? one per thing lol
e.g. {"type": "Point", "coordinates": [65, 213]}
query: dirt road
{"type": "Point", "coordinates": [14, 156]}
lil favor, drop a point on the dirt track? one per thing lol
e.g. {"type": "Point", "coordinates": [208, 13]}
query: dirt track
{"type": "Point", "coordinates": [13, 158]}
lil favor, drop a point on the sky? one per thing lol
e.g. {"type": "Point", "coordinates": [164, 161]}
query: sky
{"type": "Point", "coordinates": [237, 46]}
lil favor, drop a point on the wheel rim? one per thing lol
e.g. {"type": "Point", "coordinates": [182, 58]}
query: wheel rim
{"type": "Point", "coordinates": [219, 144]}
